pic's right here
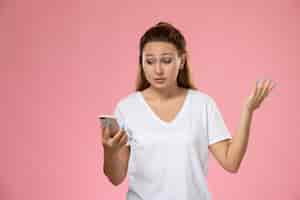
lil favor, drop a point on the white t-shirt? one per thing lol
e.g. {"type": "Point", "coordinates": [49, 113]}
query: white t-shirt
{"type": "Point", "coordinates": [168, 160]}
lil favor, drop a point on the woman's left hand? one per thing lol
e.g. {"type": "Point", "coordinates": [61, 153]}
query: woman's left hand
{"type": "Point", "coordinates": [258, 94]}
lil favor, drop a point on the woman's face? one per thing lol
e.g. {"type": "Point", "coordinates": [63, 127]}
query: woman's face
{"type": "Point", "coordinates": [161, 64]}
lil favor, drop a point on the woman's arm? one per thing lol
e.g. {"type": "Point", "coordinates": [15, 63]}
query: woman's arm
{"type": "Point", "coordinates": [238, 145]}
{"type": "Point", "coordinates": [237, 148]}
{"type": "Point", "coordinates": [230, 153]}
{"type": "Point", "coordinates": [116, 155]}
{"type": "Point", "coordinates": [116, 164]}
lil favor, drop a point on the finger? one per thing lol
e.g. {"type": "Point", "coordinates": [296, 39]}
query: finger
{"type": "Point", "coordinates": [105, 133]}
{"type": "Point", "coordinates": [258, 85]}
{"type": "Point", "coordinates": [261, 89]}
{"type": "Point", "coordinates": [266, 86]}
{"type": "Point", "coordinates": [270, 87]}
{"type": "Point", "coordinates": [265, 94]}
{"type": "Point", "coordinates": [123, 140]}
{"type": "Point", "coordinates": [254, 90]}
{"type": "Point", "coordinates": [105, 136]}
{"type": "Point", "coordinates": [264, 90]}
{"type": "Point", "coordinates": [117, 137]}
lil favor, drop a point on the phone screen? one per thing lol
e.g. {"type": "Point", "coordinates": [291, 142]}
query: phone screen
{"type": "Point", "coordinates": [110, 122]}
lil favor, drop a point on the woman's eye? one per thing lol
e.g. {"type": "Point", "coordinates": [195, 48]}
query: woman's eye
{"type": "Point", "coordinates": [167, 61]}
{"type": "Point", "coordinates": [149, 62]}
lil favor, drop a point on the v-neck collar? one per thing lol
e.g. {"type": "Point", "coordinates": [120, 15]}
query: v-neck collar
{"type": "Point", "coordinates": [154, 115]}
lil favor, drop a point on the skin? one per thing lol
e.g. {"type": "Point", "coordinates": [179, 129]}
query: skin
{"type": "Point", "coordinates": [230, 153]}
{"type": "Point", "coordinates": [160, 59]}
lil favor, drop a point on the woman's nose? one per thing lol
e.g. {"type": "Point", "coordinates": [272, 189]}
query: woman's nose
{"type": "Point", "coordinates": [158, 68]}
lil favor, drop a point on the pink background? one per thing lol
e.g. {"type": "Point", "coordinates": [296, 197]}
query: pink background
{"type": "Point", "coordinates": [65, 62]}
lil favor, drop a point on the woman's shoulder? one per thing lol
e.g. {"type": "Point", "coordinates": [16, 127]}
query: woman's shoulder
{"type": "Point", "coordinates": [127, 99]}
{"type": "Point", "coordinates": [201, 96]}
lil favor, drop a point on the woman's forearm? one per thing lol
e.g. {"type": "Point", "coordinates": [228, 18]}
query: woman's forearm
{"type": "Point", "coordinates": [113, 167]}
{"type": "Point", "coordinates": [238, 146]}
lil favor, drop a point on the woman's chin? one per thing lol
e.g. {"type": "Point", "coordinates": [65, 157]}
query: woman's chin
{"type": "Point", "coordinates": [159, 85]}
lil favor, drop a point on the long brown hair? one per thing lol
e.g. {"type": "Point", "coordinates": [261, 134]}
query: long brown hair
{"type": "Point", "coordinates": [165, 32]}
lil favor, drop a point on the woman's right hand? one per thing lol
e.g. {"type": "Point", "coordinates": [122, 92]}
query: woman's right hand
{"type": "Point", "coordinates": [115, 143]}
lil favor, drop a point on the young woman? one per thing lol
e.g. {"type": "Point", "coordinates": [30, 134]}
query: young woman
{"type": "Point", "coordinates": [170, 126]}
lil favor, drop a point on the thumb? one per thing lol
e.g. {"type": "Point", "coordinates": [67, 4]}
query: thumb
{"type": "Point", "coordinates": [105, 133]}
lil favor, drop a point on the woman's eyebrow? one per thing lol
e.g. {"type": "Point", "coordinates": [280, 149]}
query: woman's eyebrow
{"type": "Point", "coordinates": [148, 55]}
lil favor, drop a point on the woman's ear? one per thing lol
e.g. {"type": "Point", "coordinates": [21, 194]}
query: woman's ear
{"type": "Point", "coordinates": [183, 58]}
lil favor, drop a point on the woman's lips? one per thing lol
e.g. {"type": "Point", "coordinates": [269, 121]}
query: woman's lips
{"type": "Point", "coordinates": [160, 80]}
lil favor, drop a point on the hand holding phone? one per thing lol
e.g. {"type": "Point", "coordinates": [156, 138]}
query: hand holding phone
{"type": "Point", "coordinates": [113, 138]}
{"type": "Point", "coordinates": [110, 122]}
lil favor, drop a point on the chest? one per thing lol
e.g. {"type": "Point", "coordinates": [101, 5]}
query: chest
{"type": "Point", "coordinates": [166, 111]}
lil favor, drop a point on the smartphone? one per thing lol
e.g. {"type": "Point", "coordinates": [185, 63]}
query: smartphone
{"type": "Point", "coordinates": [111, 122]}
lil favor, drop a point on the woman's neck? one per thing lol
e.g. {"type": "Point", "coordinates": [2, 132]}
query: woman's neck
{"type": "Point", "coordinates": [164, 94]}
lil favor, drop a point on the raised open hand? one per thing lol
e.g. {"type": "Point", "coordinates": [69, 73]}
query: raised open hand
{"type": "Point", "coordinates": [261, 90]}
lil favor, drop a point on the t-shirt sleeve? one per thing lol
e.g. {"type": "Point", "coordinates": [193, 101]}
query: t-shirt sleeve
{"type": "Point", "coordinates": [121, 120]}
{"type": "Point", "coordinates": [217, 129]}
